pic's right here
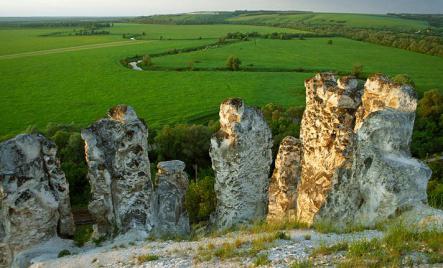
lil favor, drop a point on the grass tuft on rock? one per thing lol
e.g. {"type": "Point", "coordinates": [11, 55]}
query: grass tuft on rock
{"type": "Point", "coordinates": [146, 258]}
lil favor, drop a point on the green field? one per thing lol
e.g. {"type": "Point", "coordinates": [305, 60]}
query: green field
{"type": "Point", "coordinates": [352, 20]}
{"type": "Point", "coordinates": [78, 85]}
{"type": "Point", "coordinates": [17, 40]}
{"type": "Point", "coordinates": [316, 54]}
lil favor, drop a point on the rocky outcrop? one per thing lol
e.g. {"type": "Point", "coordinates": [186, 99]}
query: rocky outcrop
{"type": "Point", "coordinates": [34, 195]}
{"type": "Point", "coordinates": [119, 173]}
{"type": "Point", "coordinates": [384, 180]}
{"type": "Point", "coordinates": [327, 136]}
{"type": "Point", "coordinates": [173, 183]}
{"type": "Point", "coordinates": [241, 158]}
{"type": "Point", "coordinates": [357, 168]}
{"type": "Point", "coordinates": [284, 180]}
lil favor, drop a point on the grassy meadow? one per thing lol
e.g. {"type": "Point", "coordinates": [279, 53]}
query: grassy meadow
{"type": "Point", "coordinates": [317, 54]}
{"type": "Point", "coordinates": [78, 86]}
{"type": "Point", "coordinates": [353, 20]}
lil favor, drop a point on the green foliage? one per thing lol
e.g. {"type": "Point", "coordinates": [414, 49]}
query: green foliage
{"type": "Point", "coordinates": [146, 61]}
{"type": "Point", "coordinates": [200, 199]}
{"type": "Point", "coordinates": [428, 130]}
{"type": "Point", "coordinates": [398, 242]}
{"type": "Point", "coordinates": [233, 63]}
{"type": "Point", "coordinates": [330, 42]}
{"type": "Point", "coordinates": [302, 264]}
{"type": "Point", "coordinates": [283, 122]}
{"type": "Point", "coordinates": [188, 143]}
{"type": "Point", "coordinates": [63, 253]}
{"type": "Point", "coordinates": [357, 70]}
{"type": "Point", "coordinates": [261, 259]}
{"type": "Point", "coordinates": [145, 258]}
{"type": "Point", "coordinates": [82, 234]}
{"type": "Point", "coordinates": [328, 250]}
{"type": "Point", "coordinates": [403, 79]}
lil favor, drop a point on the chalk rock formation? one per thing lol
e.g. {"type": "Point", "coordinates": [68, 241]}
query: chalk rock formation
{"type": "Point", "coordinates": [173, 183]}
{"type": "Point", "coordinates": [327, 135]}
{"type": "Point", "coordinates": [241, 158]}
{"type": "Point", "coordinates": [119, 173]}
{"type": "Point", "coordinates": [384, 179]}
{"type": "Point", "coordinates": [34, 195]}
{"type": "Point", "coordinates": [356, 165]}
{"type": "Point", "coordinates": [284, 180]}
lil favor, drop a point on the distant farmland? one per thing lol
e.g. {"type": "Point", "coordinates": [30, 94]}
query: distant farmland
{"type": "Point", "coordinates": [77, 86]}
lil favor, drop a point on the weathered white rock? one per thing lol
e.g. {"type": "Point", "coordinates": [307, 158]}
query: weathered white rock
{"type": "Point", "coordinates": [327, 135]}
{"type": "Point", "coordinates": [241, 158]}
{"type": "Point", "coordinates": [284, 180]}
{"type": "Point", "coordinates": [378, 179]}
{"type": "Point", "coordinates": [34, 195]}
{"type": "Point", "coordinates": [119, 173]}
{"type": "Point", "coordinates": [173, 183]}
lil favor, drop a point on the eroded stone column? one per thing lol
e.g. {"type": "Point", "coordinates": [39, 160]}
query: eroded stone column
{"type": "Point", "coordinates": [173, 183]}
{"type": "Point", "coordinates": [241, 158]}
{"type": "Point", "coordinates": [327, 135]}
{"type": "Point", "coordinates": [119, 173]}
{"type": "Point", "coordinates": [284, 180]}
{"type": "Point", "coordinates": [34, 195]}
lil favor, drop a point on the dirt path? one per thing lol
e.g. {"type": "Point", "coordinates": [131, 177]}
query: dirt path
{"type": "Point", "coordinates": [69, 49]}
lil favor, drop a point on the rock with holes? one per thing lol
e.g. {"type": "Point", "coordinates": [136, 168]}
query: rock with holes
{"type": "Point", "coordinates": [34, 195]}
{"type": "Point", "coordinates": [284, 180]}
{"type": "Point", "coordinates": [119, 173]}
{"type": "Point", "coordinates": [327, 132]}
{"type": "Point", "coordinates": [241, 158]}
{"type": "Point", "coordinates": [383, 180]}
{"type": "Point", "coordinates": [173, 219]}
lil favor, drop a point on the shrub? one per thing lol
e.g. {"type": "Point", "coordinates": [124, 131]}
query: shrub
{"type": "Point", "coordinates": [146, 258]}
{"type": "Point", "coordinates": [357, 70]}
{"type": "Point", "coordinates": [63, 253]}
{"type": "Point", "coordinates": [200, 199]}
{"type": "Point", "coordinates": [261, 259]}
{"type": "Point", "coordinates": [188, 143]}
{"type": "Point", "coordinates": [82, 234]}
{"type": "Point", "coordinates": [146, 61]}
{"type": "Point", "coordinates": [233, 63]}
{"type": "Point", "coordinates": [403, 79]}
{"type": "Point", "coordinates": [330, 42]}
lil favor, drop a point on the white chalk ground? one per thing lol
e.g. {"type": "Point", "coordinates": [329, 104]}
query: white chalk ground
{"type": "Point", "coordinates": [123, 252]}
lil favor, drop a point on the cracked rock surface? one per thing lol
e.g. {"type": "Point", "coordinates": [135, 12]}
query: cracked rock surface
{"type": "Point", "coordinates": [119, 173]}
{"type": "Point", "coordinates": [241, 158]}
{"type": "Point", "coordinates": [34, 195]}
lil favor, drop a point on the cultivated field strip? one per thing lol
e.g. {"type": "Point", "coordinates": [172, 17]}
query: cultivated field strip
{"type": "Point", "coordinates": [70, 49]}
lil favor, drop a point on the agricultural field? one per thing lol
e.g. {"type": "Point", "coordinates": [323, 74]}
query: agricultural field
{"type": "Point", "coordinates": [17, 40]}
{"type": "Point", "coordinates": [75, 79]}
{"type": "Point", "coordinates": [317, 55]}
{"type": "Point", "coordinates": [350, 20]}
{"type": "Point", "coordinates": [79, 86]}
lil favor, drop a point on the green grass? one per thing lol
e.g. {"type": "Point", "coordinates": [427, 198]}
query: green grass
{"type": "Point", "coordinates": [146, 258]}
{"type": "Point", "coordinates": [81, 86]}
{"type": "Point", "coordinates": [316, 54]}
{"type": "Point", "coordinates": [351, 20]}
{"type": "Point", "coordinates": [18, 40]}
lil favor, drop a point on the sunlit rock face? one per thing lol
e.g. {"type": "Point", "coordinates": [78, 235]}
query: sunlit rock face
{"type": "Point", "coordinates": [173, 183]}
{"type": "Point", "coordinates": [34, 195]}
{"type": "Point", "coordinates": [327, 136]}
{"type": "Point", "coordinates": [284, 180]}
{"type": "Point", "coordinates": [119, 173]}
{"type": "Point", "coordinates": [241, 158]}
{"type": "Point", "coordinates": [384, 180]}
